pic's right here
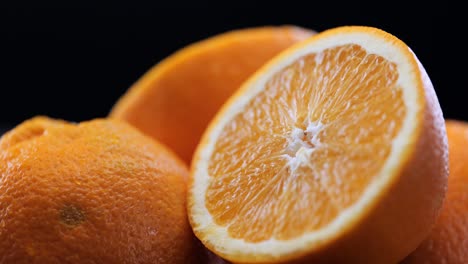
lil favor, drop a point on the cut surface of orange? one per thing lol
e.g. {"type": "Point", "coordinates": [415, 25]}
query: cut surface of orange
{"type": "Point", "coordinates": [175, 100]}
{"type": "Point", "coordinates": [335, 151]}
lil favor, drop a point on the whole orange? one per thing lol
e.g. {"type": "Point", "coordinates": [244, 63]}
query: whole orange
{"type": "Point", "coordinates": [448, 241]}
{"type": "Point", "coordinates": [93, 192]}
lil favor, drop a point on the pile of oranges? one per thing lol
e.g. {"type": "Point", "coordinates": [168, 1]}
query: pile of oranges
{"type": "Point", "coordinates": [273, 144]}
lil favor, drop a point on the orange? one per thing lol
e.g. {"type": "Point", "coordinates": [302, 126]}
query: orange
{"type": "Point", "coordinates": [174, 101]}
{"type": "Point", "coordinates": [448, 241]}
{"type": "Point", "coordinates": [335, 151]}
{"type": "Point", "coordinates": [93, 192]}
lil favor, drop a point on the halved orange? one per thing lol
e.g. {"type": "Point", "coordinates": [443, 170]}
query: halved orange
{"type": "Point", "coordinates": [335, 151]}
{"type": "Point", "coordinates": [176, 99]}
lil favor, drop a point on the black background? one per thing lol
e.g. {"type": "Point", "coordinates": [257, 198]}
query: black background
{"type": "Point", "coordinates": [73, 63]}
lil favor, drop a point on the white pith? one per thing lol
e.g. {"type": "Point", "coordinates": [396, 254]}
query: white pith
{"type": "Point", "coordinates": [218, 235]}
{"type": "Point", "coordinates": [301, 145]}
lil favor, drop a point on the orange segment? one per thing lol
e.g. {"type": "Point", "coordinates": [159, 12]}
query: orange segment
{"type": "Point", "coordinates": [174, 101]}
{"type": "Point", "coordinates": [318, 155]}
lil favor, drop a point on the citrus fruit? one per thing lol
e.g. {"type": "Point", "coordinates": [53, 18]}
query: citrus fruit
{"type": "Point", "coordinates": [335, 151]}
{"type": "Point", "coordinates": [174, 101]}
{"type": "Point", "coordinates": [448, 241]}
{"type": "Point", "coordinates": [93, 192]}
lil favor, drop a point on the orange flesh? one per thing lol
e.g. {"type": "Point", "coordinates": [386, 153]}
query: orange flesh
{"type": "Point", "coordinates": [306, 147]}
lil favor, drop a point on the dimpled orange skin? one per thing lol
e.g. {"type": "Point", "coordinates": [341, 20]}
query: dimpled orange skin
{"type": "Point", "coordinates": [94, 192]}
{"type": "Point", "coordinates": [448, 241]}
{"type": "Point", "coordinates": [175, 100]}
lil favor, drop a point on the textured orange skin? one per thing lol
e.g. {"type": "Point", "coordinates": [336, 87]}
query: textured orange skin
{"type": "Point", "coordinates": [175, 100]}
{"type": "Point", "coordinates": [448, 241]}
{"type": "Point", "coordinates": [405, 212]}
{"type": "Point", "coordinates": [126, 191]}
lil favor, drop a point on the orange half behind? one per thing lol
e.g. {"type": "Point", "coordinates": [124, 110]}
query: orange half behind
{"type": "Point", "coordinates": [176, 99]}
